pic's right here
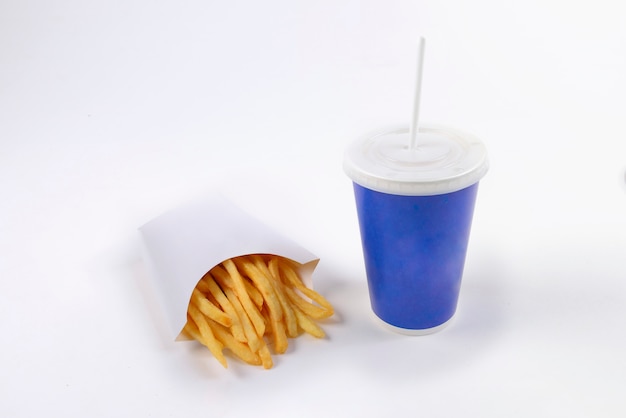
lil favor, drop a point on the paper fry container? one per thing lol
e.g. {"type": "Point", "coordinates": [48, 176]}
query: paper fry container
{"type": "Point", "coordinates": [183, 244]}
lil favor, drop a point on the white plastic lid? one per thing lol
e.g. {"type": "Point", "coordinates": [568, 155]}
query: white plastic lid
{"type": "Point", "coordinates": [445, 160]}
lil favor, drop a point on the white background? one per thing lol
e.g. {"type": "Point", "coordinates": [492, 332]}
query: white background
{"type": "Point", "coordinates": [112, 112]}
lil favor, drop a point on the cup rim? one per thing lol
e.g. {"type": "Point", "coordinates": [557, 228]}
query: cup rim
{"type": "Point", "coordinates": [464, 165]}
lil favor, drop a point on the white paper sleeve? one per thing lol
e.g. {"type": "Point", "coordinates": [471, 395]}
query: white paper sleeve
{"type": "Point", "coordinates": [183, 244]}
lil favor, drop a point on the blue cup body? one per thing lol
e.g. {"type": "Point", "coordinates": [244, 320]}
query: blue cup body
{"type": "Point", "coordinates": [414, 249]}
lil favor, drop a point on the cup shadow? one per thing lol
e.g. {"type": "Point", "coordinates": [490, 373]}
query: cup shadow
{"type": "Point", "coordinates": [472, 334]}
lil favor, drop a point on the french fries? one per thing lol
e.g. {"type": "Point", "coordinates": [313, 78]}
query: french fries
{"type": "Point", "coordinates": [251, 304]}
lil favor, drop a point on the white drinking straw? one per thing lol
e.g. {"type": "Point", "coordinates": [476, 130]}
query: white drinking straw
{"type": "Point", "coordinates": [416, 98]}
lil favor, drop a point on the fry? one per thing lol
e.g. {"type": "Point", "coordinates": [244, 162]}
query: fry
{"type": "Point", "coordinates": [276, 330]}
{"type": "Point", "coordinates": [209, 309]}
{"type": "Point", "coordinates": [208, 286]}
{"type": "Point", "coordinates": [277, 309]}
{"type": "Point", "coordinates": [291, 323]}
{"type": "Point", "coordinates": [325, 310]}
{"type": "Point", "coordinates": [266, 357]}
{"type": "Point", "coordinates": [201, 331]}
{"type": "Point", "coordinates": [250, 335]}
{"type": "Point", "coordinates": [308, 325]}
{"type": "Point", "coordinates": [222, 276]}
{"type": "Point", "coordinates": [238, 348]}
{"type": "Point", "coordinates": [244, 297]}
{"type": "Point", "coordinates": [262, 281]}
{"type": "Point", "coordinates": [306, 307]}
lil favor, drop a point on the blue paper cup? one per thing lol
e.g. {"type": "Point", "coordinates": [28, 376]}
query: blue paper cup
{"type": "Point", "coordinates": [415, 210]}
